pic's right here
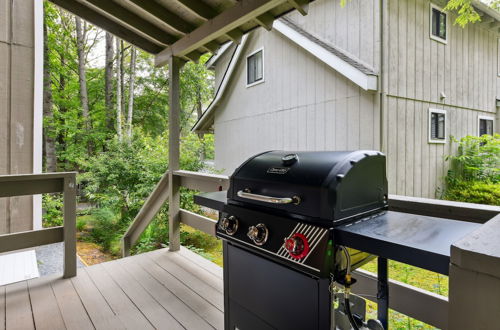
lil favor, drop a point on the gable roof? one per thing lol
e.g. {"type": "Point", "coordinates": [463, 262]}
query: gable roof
{"type": "Point", "coordinates": [344, 63]}
{"type": "Point", "coordinates": [339, 60]}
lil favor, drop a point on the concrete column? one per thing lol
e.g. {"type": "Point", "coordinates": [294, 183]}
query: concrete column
{"type": "Point", "coordinates": [474, 300]}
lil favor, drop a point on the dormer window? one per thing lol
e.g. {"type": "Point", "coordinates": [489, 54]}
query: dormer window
{"type": "Point", "coordinates": [439, 24]}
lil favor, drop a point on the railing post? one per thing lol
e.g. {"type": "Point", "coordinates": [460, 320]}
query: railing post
{"type": "Point", "coordinates": [69, 199]}
{"type": "Point", "coordinates": [174, 66]}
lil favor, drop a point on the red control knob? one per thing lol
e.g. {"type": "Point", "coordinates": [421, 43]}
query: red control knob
{"type": "Point", "coordinates": [297, 246]}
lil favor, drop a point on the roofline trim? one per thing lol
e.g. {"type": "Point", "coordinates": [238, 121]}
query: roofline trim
{"type": "Point", "coordinates": [204, 121]}
{"type": "Point", "coordinates": [214, 58]}
{"type": "Point", "coordinates": [368, 82]}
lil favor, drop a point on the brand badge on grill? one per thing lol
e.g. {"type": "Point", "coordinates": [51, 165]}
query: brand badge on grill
{"type": "Point", "coordinates": [278, 170]}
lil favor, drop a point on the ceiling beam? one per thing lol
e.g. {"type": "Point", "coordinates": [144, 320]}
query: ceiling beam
{"type": "Point", "coordinates": [199, 8]}
{"type": "Point", "coordinates": [302, 6]}
{"type": "Point", "coordinates": [266, 21]}
{"type": "Point", "coordinates": [242, 12]}
{"type": "Point", "coordinates": [212, 46]}
{"type": "Point", "coordinates": [165, 15]}
{"type": "Point", "coordinates": [132, 19]}
{"type": "Point", "coordinates": [109, 25]}
{"type": "Point", "coordinates": [235, 35]}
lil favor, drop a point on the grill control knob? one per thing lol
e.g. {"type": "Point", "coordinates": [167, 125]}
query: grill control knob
{"type": "Point", "coordinates": [297, 246]}
{"type": "Point", "coordinates": [229, 225]}
{"type": "Point", "coordinates": [258, 234]}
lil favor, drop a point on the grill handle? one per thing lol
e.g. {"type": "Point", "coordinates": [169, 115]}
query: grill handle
{"type": "Point", "coordinates": [268, 199]}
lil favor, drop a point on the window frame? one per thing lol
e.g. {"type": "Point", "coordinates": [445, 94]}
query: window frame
{"type": "Point", "coordinates": [441, 111]}
{"type": "Point", "coordinates": [433, 37]}
{"type": "Point", "coordinates": [485, 117]}
{"type": "Point", "coordinates": [261, 49]}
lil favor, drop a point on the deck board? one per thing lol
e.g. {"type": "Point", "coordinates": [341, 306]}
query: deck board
{"type": "Point", "coordinates": [73, 312]}
{"type": "Point", "coordinates": [197, 284]}
{"type": "Point", "coordinates": [202, 307]}
{"type": "Point", "coordinates": [96, 306]}
{"type": "Point", "coordinates": [17, 307]}
{"type": "Point", "coordinates": [176, 307]}
{"type": "Point", "coordinates": [159, 289]}
{"type": "Point", "coordinates": [46, 313]}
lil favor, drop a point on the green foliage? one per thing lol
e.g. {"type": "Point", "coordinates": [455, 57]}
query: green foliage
{"type": "Point", "coordinates": [474, 175]}
{"type": "Point", "coordinates": [466, 12]}
{"type": "Point", "coordinates": [477, 159]}
{"type": "Point", "coordinates": [52, 205]}
{"type": "Point", "coordinates": [106, 227]}
{"type": "Point", "coordinates": [474, 192]}
{"type": "Point", "coordinates": [81, 223]}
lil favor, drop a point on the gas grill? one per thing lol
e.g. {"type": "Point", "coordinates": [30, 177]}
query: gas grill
{"type": "Point", "coordinates": [295, 223]}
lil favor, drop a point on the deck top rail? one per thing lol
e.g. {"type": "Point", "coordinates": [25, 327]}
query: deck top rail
{"type": "Point", "coordinates": [33, 184]}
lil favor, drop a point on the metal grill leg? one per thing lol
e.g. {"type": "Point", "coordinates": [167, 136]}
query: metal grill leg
{"type": "Point", "coordinates": [383, 292]}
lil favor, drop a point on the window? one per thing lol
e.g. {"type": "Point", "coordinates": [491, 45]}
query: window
{"type": "Point", "coordinates": [485, 125]}
{"type": "Point", "coordinates": [255, 68]}
{"type": "Point", "coordinates": [437, 126]}
{"type": "Point", "coordinates": [438, 24]}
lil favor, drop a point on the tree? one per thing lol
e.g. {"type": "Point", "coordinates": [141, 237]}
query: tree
{"type": "Point", "coordinates": [466, 11]}
{"type": "Point", "coordinates": [119, 89]}
{"type": "Point", "coordinates": [131, 92]}
{"type": "Point", "coordinates": [108, 80]}
{"type": "Point", "coordinates": [48, 131]}
{"type": "Point", "coordinates": [81, 35]}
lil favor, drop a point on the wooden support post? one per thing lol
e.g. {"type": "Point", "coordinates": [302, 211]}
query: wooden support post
{"type": "Point", "coordinates": [69, 196]}
{"type": "Point", "coordinates": [174, 65]}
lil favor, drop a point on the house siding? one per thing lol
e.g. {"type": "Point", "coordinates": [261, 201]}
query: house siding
{"type": "Point", "coordinates": [305, 105]}
{"type": "Point", "coordinates": [16, 107]}
{"type": "Point", "coordinates": [302, 105]}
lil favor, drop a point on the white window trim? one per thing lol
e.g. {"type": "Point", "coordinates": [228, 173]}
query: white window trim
{"type": "Point", "coordinates": [433, 37]}
{"type": "Point", "coordinates": [263, 68]}
{"type": "Point", "coordinates": [432, 110]}
{"type": "Point", "coordinates": [479, 117]}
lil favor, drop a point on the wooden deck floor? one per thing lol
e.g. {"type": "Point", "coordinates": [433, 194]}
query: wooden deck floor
{"type": "Point", "coordinates": [160, 289]}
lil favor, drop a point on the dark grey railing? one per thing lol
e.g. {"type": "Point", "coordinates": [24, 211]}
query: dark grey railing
{"type": "Point", "coordinates": [34, 184]}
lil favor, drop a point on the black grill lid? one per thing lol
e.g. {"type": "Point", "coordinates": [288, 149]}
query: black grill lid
{"type": "Point", "coordinates": [328, 185]}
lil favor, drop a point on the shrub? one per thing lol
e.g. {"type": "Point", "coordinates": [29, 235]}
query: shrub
{"type": "Point", "coordinates": [474, 175]}
{"type": "Point", "coordinates": [474, 192]}
{"type": "Point", "coordinates": [477, 159]}
{"type": "Point", "coordinates": [52, 205]}
{"type": "Point", "coordinates": [81, 224]}
{"type": "Point", "coordinates": [105, 228]}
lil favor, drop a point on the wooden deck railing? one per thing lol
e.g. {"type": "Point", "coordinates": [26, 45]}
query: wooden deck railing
{"type": "Point", "coordinates": [34, 184]}
{"type": "Point", "coordinates": [419, 304]}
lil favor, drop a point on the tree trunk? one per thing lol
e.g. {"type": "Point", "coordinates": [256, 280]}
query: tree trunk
{"type": "Point", "coordinates": [108, 80]}
{"type": "Point", "coordinates": [122, 74]}
{"type": "Point", "coordinates": [48, 130]}
{"type": "Point", "coordinates": [82, 75]}
{"type": "Point", "coordinates": [118, 91]}
{"type": "Point", "coordinates": [201, 136]}
{"type": "Point", "coordinates": [131, 92]}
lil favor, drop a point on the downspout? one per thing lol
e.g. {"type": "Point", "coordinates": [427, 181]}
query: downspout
{"type": "Point", "coordinates": [382, 95]}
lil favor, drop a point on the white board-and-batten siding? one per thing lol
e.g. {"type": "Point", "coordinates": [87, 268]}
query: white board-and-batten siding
{"type": "Point", "coordinates": [419, 71]}
{"type": "Point", "coordinates": [302, 105]}
{"type": "Point", "coordinates": [305, 105]}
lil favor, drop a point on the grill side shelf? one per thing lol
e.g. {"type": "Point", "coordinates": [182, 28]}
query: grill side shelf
{"type": "Point", "coordinates": [412, 239]}
{"type": "Point", "coordinates": [213, 200]}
